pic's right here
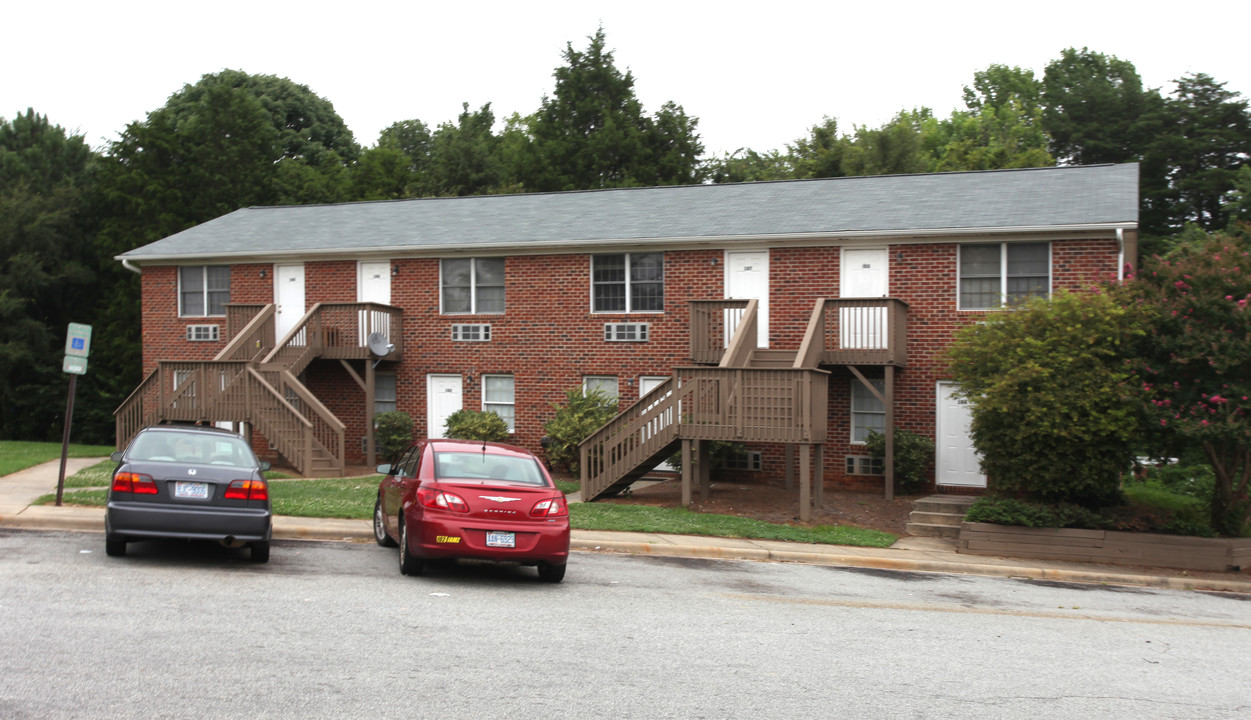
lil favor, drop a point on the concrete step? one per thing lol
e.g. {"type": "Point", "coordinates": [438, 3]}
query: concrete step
{"type": "Point", "coordinates": [936, 518]}
{"type": "Point", "coordinates": [943, 504]}
{"type": "Point", "coordinates": [935, 531]}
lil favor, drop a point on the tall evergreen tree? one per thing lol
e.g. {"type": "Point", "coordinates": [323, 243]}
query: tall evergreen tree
{"type": "Point", "coordinates": [593, 132]}
{"type": "Point", "coordinates": [45, 269]}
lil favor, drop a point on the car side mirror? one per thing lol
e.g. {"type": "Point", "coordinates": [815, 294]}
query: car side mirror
{"type": "Point", "coordinates": [265, 465]}
{"type": "Point", "coordinates": [384, 469]}
{"type": "Point", "coordinates": [116, 455]}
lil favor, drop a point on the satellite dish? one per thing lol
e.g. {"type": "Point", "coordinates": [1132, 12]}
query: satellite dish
{"type": "Point", "coordinates": [379, 345]}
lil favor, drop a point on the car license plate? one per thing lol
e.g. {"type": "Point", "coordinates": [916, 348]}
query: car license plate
{"type": "Point", "coordinates": [501, 539]}
{"type": "Point", "coordinates": [193, 490]}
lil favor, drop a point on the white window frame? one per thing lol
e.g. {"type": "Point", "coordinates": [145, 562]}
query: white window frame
{"type": "Point", "coordinates": [865, 465]}
{"type": "Point", "coordinates": [382, 404]}
{"type": "Point", "coordinates": [858, 387]}
{"type": "Point", "coordinates": [205, 292]}
{"type": "Point", "coordinates": [1003, 274]}
{"type": "Point", "coordinates": [473, 288]}
{"type": "Point", "coordinates": [489, 405]}
{"type": "Point", "coordinates": [203, 333]}
{"type": "Point", "coordinates": [629, 284]}
{"type": "Point", "coordinates": [464, 332]}
{"type": "Point", "coordinates": [598, 381]}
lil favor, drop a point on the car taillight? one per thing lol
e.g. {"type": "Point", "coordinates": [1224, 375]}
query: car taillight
{"type": "Point", "coordinates": [555, 507]}
{"type": "Point", "coordinates": [247, 490]}
{"type": "Point", "coordinates": [134, 483]}
{"type": "Point", "coordinates": [441, 500]}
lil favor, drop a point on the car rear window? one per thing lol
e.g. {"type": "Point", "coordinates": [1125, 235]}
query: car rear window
{"type": "Point", "coordinates": [201, 449]}
{"type": "Point", "coordinates": [484, 466]}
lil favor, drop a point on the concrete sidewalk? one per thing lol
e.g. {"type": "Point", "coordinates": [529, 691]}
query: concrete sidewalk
{"type": "Point", "coordinates": [18, 490]}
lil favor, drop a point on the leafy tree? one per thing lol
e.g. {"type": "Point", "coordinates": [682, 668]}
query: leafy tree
{"type": "Point", "coordinates": [820, 155]}
{"type": "Point", "coordinates": [46, 269]}
{"type": "Point", "coordinates": [382, 173]}
{"type": "Point", "coordinates": [999, 86]}
{"type": "Point", "coordinates": [1093, 108]}
{"type": "Point", "coordinates": [1201, 138]}
{"type": "Point", "coordinates": [746, 165]}
{"type": "Point", "coordinates": [1193, 372]}
{"type": "Point", "coordinates": [593, 132]}
{"type": "Point", "coordinates": [893, 149]}
{"type": "Point", "coordinates": [1048, 382]}
{"type": "Point", "coordinates": [229, 141]}
{"type": "Point", "coordinates": [464, 157]}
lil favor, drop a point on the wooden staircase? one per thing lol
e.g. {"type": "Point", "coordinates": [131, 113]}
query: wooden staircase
{"type": "Point", "coordinates": [254, 380]}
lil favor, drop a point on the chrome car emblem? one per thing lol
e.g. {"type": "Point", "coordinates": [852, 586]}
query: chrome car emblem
{"type": "Point", "coordinates": [499, 498]}
{"type": "Point", "coordinates": [191, 471]}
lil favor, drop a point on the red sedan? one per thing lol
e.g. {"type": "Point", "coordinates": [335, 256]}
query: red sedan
{"type": "Point", "coordinates": [468, 499]}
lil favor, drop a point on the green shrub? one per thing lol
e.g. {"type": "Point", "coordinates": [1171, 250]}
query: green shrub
{"type": "Point", "coordinates": [1047, 382]}
{"type": "Point", "coordinates": [582, 414]}
{"type": "Point", "coordinates": [720, 451]}
{"type": "Point", "coordinates": [393, 431]}
{"type": "Point", "coordinates": [914, 458]}
{"type": "Point", "coordinates": [477, 425]}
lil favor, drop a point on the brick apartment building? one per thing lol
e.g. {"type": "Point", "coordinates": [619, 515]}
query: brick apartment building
{"type": "Point", "coordinates": [265, 316]}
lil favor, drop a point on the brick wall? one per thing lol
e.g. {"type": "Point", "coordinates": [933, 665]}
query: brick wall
{"type": "Point", "coordinates": [548, 338]}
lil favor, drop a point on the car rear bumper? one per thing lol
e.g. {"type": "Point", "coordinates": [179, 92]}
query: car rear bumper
{"type": "Point", "coordinates": [138, 520]}
{"type": "Point", "coordinates": [458, 538]}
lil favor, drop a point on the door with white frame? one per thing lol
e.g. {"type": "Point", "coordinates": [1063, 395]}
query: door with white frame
{"type": "Point", "coordinates": [957, 461]}
{"type": "Point", "coordinates": [747, 277]}
{"type": "Point", "coordinates": [288, 297]}
{"type": "Point", "coordinates": [444, 396]}
{"type": "Point", "coordinates": [373, 284]}
{"type": "Point", "coordinates": [865, 274]}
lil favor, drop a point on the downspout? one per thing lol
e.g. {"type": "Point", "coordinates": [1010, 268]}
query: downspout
{"type": "Point", "coordinates": [126, 264]}
{"type": "Point", "coordinates": [1120, 255]}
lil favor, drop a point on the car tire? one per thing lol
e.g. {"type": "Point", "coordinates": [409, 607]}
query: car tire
{"type": "Point", "coordinates": [380, 529]}
{"type": "Point", "coordinates": [260, 552]}
{"type": "Point", "coordinates": [551, 573]}
{"type": "Point", "coordinates": [114, 546]}
{"type": "Point", "coordinates": [409, 565]}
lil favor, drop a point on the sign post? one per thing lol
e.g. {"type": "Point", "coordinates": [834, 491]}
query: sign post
{"type": "Point", "coordinates": [77, 348]}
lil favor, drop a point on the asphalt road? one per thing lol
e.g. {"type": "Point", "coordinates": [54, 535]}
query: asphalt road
{"type": "Point", "coordinates": [333, 630]}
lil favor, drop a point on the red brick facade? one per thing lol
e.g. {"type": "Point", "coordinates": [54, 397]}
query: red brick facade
{"type": "Point", "coordinates": [548, 338]}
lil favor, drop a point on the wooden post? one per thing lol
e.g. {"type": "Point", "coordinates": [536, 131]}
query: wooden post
{"type": "Point", "coordinates": [805, 482]}
{"type": "Point", "coordinates": [818, 479]}
{"type": "Point", "coordinates": [371, 458]}
{"type": "Point", "coordinates": [687, 470]}
{"type": "Point", "coordinates": [704, 464]}
{"type": "Point", "coordinates": [890, 432]}
{"type": "Point", "coordinates": [790, 466]}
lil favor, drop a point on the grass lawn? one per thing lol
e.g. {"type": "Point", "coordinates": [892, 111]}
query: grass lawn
{"type": "Point", "coordinates": [18, 455]}
{"type": "Point", "coordinates": [353, 498]}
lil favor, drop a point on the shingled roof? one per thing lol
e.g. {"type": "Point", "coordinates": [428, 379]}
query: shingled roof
{"type": "Point", "coordinates": [1073, 197]}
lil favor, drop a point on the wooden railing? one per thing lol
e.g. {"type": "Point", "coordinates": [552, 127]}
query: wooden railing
{"type": "Point", "coordinates": [702, 403]}
{"type": "Point", "coordinates": [183, 392]}
{"type": "Point", "coordinates": [338, 330]}
{"type": "Point", "coordinates": [249, 331]}
{"type": "Point", "coordinates": [713, 324]}
{"type": "Point", "coordinates": [294, 420]}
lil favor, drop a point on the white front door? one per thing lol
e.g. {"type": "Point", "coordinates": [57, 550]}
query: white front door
{"type": "Point", "coordinates": [288, 297]}
{"type": "Point", "coordinates": [864, 275]}
{"type": "Point", "coordinates": [957, 461]}
{"type": "Point", "coordinates": [373, 284]}
{"type": "Point", "coordinates": [443, 397]}
{"type": "Point", "coordinates": [746, 277]}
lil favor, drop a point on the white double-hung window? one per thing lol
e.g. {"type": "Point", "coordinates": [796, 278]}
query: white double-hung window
{"type": "Point", "coordinates": [994, 275]}
{"type": "Point", "coordinates": [499, 397]}
{"type": "Point", "coordinates": [203, 290]}
{"type": "Point", "coordinates": [472, 285]}
{"type": "Point", "coordinates": [868, 413]}
{"type": "Point", "coordinates": [628, 282]}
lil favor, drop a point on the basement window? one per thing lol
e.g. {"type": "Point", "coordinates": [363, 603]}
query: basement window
{"type": "Point", "coordinates": [748, 460]}
{"type": "Point", "coordinates": [865, 465]}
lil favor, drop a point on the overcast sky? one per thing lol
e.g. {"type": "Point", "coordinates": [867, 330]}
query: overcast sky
{"type": "Point", "coordinates": [756, 75]}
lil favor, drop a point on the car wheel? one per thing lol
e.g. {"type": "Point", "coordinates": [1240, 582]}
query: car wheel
{"type": "Point", "coordinates": [114, 546]}
{"type": "Point", "coordinates": [260, 552]}
{"type": "Point", "coordinates": [551, 573]}
{"type": "Point", "coordinates": [380, 527]}
{"type": "Point", "coordinates": [409, 565]}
